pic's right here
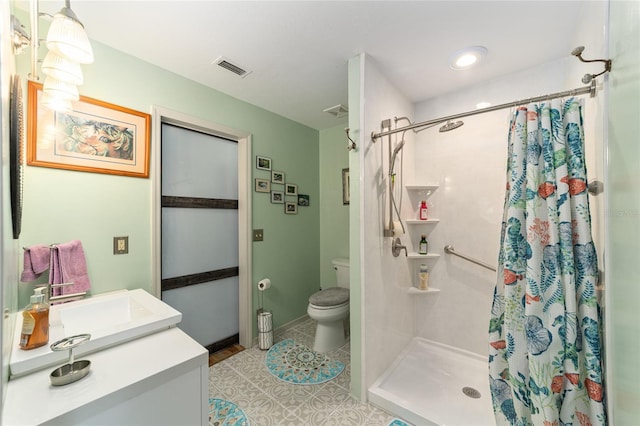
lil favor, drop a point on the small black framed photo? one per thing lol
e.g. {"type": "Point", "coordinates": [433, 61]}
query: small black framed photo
{"type": "Point", "coordinates": [277, 197]}
{"type": "Point", "coordinates": [290, 208]}
{"type": "Point", "coordinates": [277, 177]}
{"type": "Point", "coordinates": [263, 163]}
{"type": "Point", "coordinates": [263, 185]}
{"type": "Point", "coordinates": [303, 200]}
{"type": "Point", "coordinates": [291, 189]}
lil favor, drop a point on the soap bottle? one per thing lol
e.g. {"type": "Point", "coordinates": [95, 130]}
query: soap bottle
{"type": "Point", "coordinates": [424, 277]}
{"type": "Point", "coordinates": [423, 210]}
{"type": "Point", "coordinates": [423, 246]}
{"type": "Point", "coordinates": [35, 321]}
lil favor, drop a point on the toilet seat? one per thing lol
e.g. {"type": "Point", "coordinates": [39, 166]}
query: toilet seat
{"type": "Point", "coordinates": [329, 298]}
{"type": "Point", "coordinates": [324, 308]}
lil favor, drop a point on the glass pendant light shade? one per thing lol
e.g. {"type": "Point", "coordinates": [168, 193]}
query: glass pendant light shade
{"type": "Point", "coordinates": [61, 90]}
{"type": "Point", "coordinates": [54, 103]}
{"type": "Point", "coordinates": [67, 37]}
{"type": "Point", "coordinates": [62, 69]}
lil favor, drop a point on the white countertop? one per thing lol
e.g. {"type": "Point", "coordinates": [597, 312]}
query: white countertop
{"type": "Point", "coordinates": [117, 372]}
{"type": "Point", "coordinates": [111, 319]}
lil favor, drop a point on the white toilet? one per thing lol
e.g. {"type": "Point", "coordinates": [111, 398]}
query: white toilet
{"type": "Point", "coordinates": [329, 307]}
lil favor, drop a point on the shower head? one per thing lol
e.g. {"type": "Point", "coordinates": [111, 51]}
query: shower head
{"type": "Point", "coordinates": [450, 126]}
{"type": "Point", "coordinates": [394, 154]}
{"type": "Point", "coordinates": [397, 148]}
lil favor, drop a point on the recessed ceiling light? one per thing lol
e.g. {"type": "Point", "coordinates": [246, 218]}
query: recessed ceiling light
{"type": "Point", "coordinates": [467, 57]}
{"type": "Point", "coordinates": [481, 105]}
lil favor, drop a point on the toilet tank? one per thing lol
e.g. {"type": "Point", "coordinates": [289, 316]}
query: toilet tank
{"type": "Point", "coordinates": [341, 266]}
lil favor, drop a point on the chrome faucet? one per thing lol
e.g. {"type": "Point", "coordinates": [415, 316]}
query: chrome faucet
{"type": "Point", "coordinates": [397, 247]}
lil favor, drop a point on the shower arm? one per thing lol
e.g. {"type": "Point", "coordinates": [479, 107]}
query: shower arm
{"type": "Point", "coordinates": [415, 130]}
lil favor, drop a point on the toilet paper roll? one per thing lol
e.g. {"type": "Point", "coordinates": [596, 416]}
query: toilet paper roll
{"type": "Point", "coordinates": [397, 229]}
{"type": "Point", "coordinates": [264, 284]}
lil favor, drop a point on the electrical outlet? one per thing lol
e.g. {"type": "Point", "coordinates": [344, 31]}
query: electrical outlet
{"type": "Point", "coordinates": [258, 235]}
{"type": "Point", "coordinates": [120, 245]}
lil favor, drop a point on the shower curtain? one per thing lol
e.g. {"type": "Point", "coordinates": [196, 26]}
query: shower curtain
{"type": "Point", "coordinates": [545, 352]}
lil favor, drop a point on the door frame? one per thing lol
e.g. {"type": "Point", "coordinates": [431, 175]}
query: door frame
{"type": "Point", "coordinates": [162, 115]}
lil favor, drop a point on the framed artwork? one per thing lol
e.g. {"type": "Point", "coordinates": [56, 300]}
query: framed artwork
{"type": "Point", "coordinates": [345, 186]}
{"type": "Point", "coordinates": [277, 197]}
{"type": "Point", "coordinates": [290, 208]}
{"type": "Point", "coordinates": [263, 185]}
{"type": "Point", "coordinates": [277, 177]}
{"type": "Point", "coordinates": [95, 136]}
{"type": "Point", "coordinates": [263, 163]}
{"type": "Point", "coordinates": [303, 200]}
{"type": "Point", "coordinates": [291, 189]}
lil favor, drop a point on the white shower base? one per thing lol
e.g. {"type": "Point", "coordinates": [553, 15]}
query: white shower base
{"type": "Point", "coordinates": [424, 386]}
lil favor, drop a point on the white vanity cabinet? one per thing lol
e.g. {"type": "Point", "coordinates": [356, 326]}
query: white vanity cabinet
{"type": "Point", "coordinates": [159, 379]}
{"type": "Point", "coordinates": [415, 228]}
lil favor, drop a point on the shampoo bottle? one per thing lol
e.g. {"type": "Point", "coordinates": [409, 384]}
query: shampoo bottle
{"type": "Point", "coordinates": [35, 321]}
{"type": "Point", "coordinates": [423, 210]}
{"type": "Point", "coordinates": [424, 277]}
{"type": "Point", "coordinates": [423, 246]}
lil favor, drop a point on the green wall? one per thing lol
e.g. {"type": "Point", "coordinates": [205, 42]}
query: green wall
{"type": "Point", "coordinates": [334, 215]}
{"type": "Point", "coordinates": [623, 211]}
{"type": "Point", "coordinates": [63, 205]}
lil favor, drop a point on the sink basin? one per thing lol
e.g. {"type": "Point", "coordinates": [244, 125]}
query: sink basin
{"type": "Point", "coordinates": [111, 319]}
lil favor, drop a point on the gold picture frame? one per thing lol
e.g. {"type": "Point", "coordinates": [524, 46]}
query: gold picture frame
{"type": "Point", "coordinates": [95, 137]}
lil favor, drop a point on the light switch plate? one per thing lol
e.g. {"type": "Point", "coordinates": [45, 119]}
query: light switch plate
{"type": "Point", "coordinates": [258, 235]}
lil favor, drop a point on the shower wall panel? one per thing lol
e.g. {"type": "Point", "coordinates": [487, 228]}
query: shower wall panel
{"type": "Point", "coordinates": [387, 308]}
{"type": "Point", "coordinates": [469, 164]}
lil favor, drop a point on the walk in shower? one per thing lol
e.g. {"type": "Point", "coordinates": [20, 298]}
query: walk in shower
{"type": "Point", "coordinates": [425, 353]}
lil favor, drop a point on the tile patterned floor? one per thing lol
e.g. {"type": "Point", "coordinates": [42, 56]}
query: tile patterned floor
{"type": "Point", "coordinates": [244, 380]}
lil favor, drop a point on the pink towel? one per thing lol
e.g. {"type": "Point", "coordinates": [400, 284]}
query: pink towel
{"type": "Point", "coordinates": [68, 265]}
{"type": "Point", "coordinates": [36, 261]}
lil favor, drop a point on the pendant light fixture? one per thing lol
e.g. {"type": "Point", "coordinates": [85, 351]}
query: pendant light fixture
{"type": "Point", "coordinates": [60, 89]}
{"type": "Point", "coordinates": [50, 101]}
{"type": "Point", "coordinates": [69, 47]}
{"type": "Point", "coordinates": [68, 38]}
{"type": "Point", "coordinates": [60, 68]}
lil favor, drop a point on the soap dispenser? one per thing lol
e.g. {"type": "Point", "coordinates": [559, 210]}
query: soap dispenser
{"type": "Point", "coordinates": [35, 321]}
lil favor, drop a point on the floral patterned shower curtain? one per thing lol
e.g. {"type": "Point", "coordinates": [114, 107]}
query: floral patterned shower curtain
{"type": "Point", "coordinates": [545, 354]}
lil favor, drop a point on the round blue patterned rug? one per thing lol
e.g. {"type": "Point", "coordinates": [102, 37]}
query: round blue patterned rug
{"type": "Point", "coordinates": [398, 422]}
{"type": "Point", "coordinates": [225, 413]}
{"type": "Point", "coordinates": [297, 364]}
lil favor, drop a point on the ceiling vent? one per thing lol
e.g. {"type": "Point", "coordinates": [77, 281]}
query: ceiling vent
{"type": "Point", "coordinates": [223, 62]}
{"type": "Point", "coordinates": [337, 111]}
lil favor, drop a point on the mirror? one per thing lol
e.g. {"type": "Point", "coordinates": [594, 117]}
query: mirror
{"type": "Point", "coordinates": [16, 137]}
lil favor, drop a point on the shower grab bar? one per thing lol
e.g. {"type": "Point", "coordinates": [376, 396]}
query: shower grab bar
{"type": "Point", "coordinates": [450, 250]}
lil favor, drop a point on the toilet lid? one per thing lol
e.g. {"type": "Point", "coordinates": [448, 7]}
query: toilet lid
{"type": "Point", "coordinates": [330, 297]}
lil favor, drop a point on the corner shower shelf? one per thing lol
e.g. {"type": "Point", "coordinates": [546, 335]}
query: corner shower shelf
{"type": "Point", "coordinates": [415, 256]}
{"type": "Point", "coordinates": [429, 188]}
{"type": "Point", "coordinates": [421, 222]}
{"type": "Point", "coordinates": [413, 290]}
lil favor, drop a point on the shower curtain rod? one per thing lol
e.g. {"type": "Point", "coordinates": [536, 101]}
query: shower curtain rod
{"type": "Point", "coordinates": [591, 89]}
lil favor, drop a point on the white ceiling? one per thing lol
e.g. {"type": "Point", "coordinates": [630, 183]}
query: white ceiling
{"type": "Point", "coordinates": [297, 51]}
